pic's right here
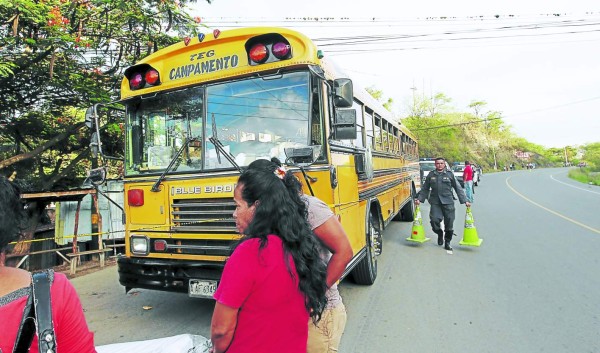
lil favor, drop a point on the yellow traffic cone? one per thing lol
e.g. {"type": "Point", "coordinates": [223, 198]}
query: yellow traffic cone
{"type": "Point", "coordinates": [418, 233]}
{"type": "Point", "coordinates": [470, 237]}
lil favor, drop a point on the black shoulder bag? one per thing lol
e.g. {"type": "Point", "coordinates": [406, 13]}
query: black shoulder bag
{"type": "Point", "coordinates": [37, 316]}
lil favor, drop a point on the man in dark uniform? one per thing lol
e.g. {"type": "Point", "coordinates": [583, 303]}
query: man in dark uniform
{"type": "Point", "coordinates": [437, 188]}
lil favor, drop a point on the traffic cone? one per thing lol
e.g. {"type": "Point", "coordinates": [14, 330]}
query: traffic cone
{"type": "Point", "coordinates": [470, 237]}
{"type": "Point", "coordinates": [418, 233]}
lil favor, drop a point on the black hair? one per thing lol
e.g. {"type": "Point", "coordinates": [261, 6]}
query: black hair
{"type": "Point", "coordinates": [294, 185]}
{"type": "Point", "coordinates": [265, 164]}
{"type": "Point", "coordinates": [11, 212]}
{"type": "Point", "coordinates": [280, 211]}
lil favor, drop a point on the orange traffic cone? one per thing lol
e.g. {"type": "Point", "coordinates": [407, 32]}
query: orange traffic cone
{"type": "Point", "coordinates": [418, 233]}
{"type": "Point", "coordinates": [470, 237]}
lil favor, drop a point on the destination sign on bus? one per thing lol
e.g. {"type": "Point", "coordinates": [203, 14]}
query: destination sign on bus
{"type": "Point", "coordinates": [206, 66]}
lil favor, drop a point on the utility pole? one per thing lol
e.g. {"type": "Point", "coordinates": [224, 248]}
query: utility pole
{"type": "Point", "coordinates": [566, 158]}
{"type": "Point", "coordinates": [414, 102]}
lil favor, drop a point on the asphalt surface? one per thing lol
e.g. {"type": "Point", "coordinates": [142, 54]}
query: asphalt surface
{"type": "Point", "coordinates": [532, 286]}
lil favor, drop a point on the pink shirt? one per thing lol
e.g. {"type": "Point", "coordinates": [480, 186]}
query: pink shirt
{"type": "Point", "coordinates": [468, 173]}
{"type": "Point", "coordinates": [319, 213]}
{"type": "Point", "coordinates": [72, 333]}
{"type": "Point", "coordinates": [272, 316]}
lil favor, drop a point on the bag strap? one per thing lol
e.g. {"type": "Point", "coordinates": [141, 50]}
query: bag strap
{"type": "Point", "coordinates": [26, 328]}
{"type": "Point", "coordinates": [38, 305]}
{"type": "Point", "coordinates": [43, 310]}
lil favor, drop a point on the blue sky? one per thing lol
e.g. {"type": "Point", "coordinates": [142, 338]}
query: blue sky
{"type": "Point", "coordinates": [540, 70]}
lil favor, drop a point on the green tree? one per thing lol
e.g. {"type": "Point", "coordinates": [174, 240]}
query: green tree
{"type": "Point", "coordinates": [59, 57]}
{"type": "Point", "coordinates": [480, 136]}
{"type": "Point", "coordinates": [378, 94]}
{"type": "Point", "coordinates": [591, 156]}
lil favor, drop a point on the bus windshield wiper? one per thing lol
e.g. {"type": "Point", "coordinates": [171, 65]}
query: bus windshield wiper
{"type": "Point", "coordinates": [155, 187]}
{"type": "Point", "coordinates": [220, 148]}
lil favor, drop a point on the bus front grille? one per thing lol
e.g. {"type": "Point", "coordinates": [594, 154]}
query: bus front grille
{"type": "Point", "coordinates": [195, 246]}
{"type": "Point", "coordinates": [203, 216]}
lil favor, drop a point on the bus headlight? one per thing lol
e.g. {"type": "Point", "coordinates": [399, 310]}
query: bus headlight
{"type": "Point", "coordinates": [139, 245]}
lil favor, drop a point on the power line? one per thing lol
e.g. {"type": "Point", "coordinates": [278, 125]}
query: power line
{"type": "Point", "coordinates": [528, 26]}
{"type": "Point", "coordinates": [364, 44]}
{"type": "Point", "coordinates": [458, 124]}
{"type": "Point", "coordinates": [319, 21]}
{"type": "Point", "coordinates": [402, 38]}
{"type": "Point", "coordinates": [474, 45]}
{"type": "Point", "coordinates": [555, 106]}
{"type": "Point", "coordinates": [508, 116]}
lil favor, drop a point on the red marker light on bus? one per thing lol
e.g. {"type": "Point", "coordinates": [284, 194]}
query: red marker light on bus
{"type": "Point", "coordinates": [281, 50]}
{"type": "Point", "coordinates": [160, 245]}
{"type": "Point", "coordinates": [135, 197]}
{"type": "Point", "coordinates": [259, 53]}
{"type": "Point", "coordinates": [136, 81]}
{"type": "Point", "coordinates": [152, 77]}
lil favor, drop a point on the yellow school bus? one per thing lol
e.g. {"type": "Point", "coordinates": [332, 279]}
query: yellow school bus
{"type": "Point", "coordinates": [199, 111]}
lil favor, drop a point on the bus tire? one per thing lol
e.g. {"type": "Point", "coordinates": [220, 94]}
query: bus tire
{"type": "Point", "coordinates": [407, 212]}
{"type": "Point", "coordinates": [365, 271]}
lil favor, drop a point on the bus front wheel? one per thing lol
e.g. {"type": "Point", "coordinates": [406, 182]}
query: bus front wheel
{"type": "Point", "coordinates": [365, 271]}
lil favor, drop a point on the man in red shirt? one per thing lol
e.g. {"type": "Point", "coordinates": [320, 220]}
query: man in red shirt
{"type": "Point", "coordinates": [468, 180]}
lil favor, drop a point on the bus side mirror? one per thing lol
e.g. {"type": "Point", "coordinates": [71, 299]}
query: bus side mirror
{"type": "Point", "coordinates": [96, 176]}
{"type": "Point", "coordinates": [343, 93]}
{"type": "Point", "coordinates": [302, 156]}
{"type": "Point", "coordinates": [344, 127]}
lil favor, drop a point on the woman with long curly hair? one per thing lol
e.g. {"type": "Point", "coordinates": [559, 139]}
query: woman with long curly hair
{"type": "Point", "coordinates": [326, 335]}
{"type": "Point", "coordinates": [275, 279]}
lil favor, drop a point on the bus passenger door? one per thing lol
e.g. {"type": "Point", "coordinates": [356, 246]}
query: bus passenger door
{"type": "Point", "coordinates": [347, 199]}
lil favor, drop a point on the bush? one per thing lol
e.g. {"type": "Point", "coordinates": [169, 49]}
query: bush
{"type": "Point", "coordinates": [585, 175]}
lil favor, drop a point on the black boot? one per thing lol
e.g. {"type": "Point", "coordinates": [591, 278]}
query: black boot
{"type": "Point", "coordinates": [440, 237]}
{"type": "Point", "coordinates": [448, 239]}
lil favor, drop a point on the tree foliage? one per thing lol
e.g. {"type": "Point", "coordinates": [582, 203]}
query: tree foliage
{"type": "Point", "coordinates": [59, 57]}
{"type": "Point", "coordinates": [479, 136]}
{"type": "Point", "coordinates": [591, 156]}
{"type": "Point", "coordinates": [378, 94]}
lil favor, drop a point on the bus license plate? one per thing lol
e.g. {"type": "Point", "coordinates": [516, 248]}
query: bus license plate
{"type": "Point", "coordinates": [202, 288]}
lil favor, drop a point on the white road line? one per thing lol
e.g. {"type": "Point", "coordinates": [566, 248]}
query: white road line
{"type": "Point", "coordinates": [573, 186]}
{"type": "Point", "coordinates": [549, 210]}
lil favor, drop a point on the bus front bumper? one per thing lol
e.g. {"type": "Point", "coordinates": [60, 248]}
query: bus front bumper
{"type": "Point", "coordinates": [165, 275]}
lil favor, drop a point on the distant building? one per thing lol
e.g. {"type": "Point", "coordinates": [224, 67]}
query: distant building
{"type": "Point", "coordinates": [525, 156]}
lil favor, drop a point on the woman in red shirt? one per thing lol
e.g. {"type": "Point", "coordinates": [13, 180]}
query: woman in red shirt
{"type": "Point", "coordinates": [72, 333]}
{"type": "Point", "coordinates": [275, 279]}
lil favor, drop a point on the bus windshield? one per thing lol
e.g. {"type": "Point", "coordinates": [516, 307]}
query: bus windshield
{"type": "Point", "coordinates": [253, 118]}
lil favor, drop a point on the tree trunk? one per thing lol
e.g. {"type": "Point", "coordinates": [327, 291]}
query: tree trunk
{"type": "Point", "coordinates": [36, 151]}
{"type": "Point", "coordinates": [49, 183]}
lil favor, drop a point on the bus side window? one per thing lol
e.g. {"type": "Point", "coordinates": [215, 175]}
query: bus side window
{"type": "Point", "coordinates": [395, 137]}
{"type": "Point", "coordinates": [369, 128]}
{"type": "Point", "coordinates": [402, 144]}
{"type": "Point", "coordinates": [360, 125]}
{"type": "Point", "coordinates": [316, 133]}
{"type": "Point", "coordinates": [377, 126]}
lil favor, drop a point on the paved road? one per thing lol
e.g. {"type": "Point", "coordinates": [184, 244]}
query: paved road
{"type": "Point", "coordinates": [531, 287]}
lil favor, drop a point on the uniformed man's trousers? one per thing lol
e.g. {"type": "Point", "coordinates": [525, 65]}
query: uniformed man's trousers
{"type": "Point", "coordinates": [437, 213]}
